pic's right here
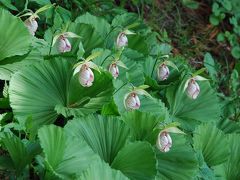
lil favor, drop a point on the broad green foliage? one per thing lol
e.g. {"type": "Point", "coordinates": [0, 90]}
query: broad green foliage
{"type": "Point", "coordinates": [37, 90]}
{"type": "Point", "coordinates": [212, 143]}
{"type": "Point", "coordinates": [65, 157]}
{"type": "Point", "coordinates": [84, 99]}
{"type": "Point", "coordinates": [15, 38]}
{"type": "Point", "coordinates": [105, 135]}
{"type": "Point", "coordinates": [189, 113]}
{"type": "Point", "coordinates": [179, 163]}
{"type": "Point", "coordinates": [100, 169]}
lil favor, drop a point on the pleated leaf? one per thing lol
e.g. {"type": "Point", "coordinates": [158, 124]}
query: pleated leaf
{"type": "Point", "coordinates": [137, 161]}
{"type": "Point", "coordinates": [230, 169]}
{"type": "Point", "coordinates": [65, 156]}
{"type": "Point", "coordinates": [190, 112]}
{"type": "Point", "coordinates": [142, 125]}
{"type": "Point", "coordinates": [212, 143]}
{"type": "Point", "coordinates": [101, 170]}
{"type": "Point", "coordinates": [105, 135]}
{"type": "Point", "coordinates": [15, 38]}
{"type": "Point", "coordinates": [38, 90]}
{"type": "Point", "coordinates": [179, 163]}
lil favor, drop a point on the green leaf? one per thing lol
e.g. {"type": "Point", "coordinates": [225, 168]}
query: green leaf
{"type": "Point", "coordinates": [142, 125]}
{"type": "Point", "coordinates": [8, 4]}
{"type": "Point", "coordinates": [13, 42]}
{"type": "Point", "coordinates": [190, 112]}
{"type": "Point", "coordinates": [37, 90]}
{"type": "Point", "coordinates": [64, 156]}
{"type": "Point", "coordinates": [236, 52]}
{"type": "Point", "coordinates": [21, 154]}
{"type": "Point", "coordinates": [210, 65]}
{"type": "Point", "coordinates": [101, 170]}
{"type": "Point", "coordinates": [137, 161]}
{"type": "Point", "coordinates": [105, 135]}
{"type": "Point", "coordinates": [100, 25]}
{"type": "Point", "coordinates": [212, 143]}
{"type": "Point", "coordinates": [180, 162]}
{"type": "Point", "coordinates": [230, 169]}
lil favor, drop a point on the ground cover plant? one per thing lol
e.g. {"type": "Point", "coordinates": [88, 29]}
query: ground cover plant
{"type": "Point", "coordinates": [96, 90]}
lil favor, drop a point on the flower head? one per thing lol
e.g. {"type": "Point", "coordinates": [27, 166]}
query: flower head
{"type": "Point", "coordinates": [163, 72]}
{"type": "Point", "coordinates": [32, 25]}
{"type": "Point", "coordinates": [113, 69]}
{"type": "Point", "coordinates": [86, 76]}
{"type": "Point", "coordinates": [132, 101]}
{"type": "Point", "coordinates": [64, 44]}
{"type": "Point", "coordinates": [193, 89]}
{"type": "Point", "coordinates": [122, 40]}
{"type": "Point", "coordinates": [164, 141]}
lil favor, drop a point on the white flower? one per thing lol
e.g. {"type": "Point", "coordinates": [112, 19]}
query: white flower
{"type": "Point", "coordinates": [64, 44]}
{"type": "Point", "coordinates": [122, 40]}
{"type": "Point", "coordinates": [113, 69]}
{"type": "Point", "coordinates": [132, 101]}
{"type": "Point", "coordinates": [164, 141]}
{"type": "Point", "coordinates": [162, 72]}
{"type": "Point", "coordinates": [32, 25]}
{"type": "Point", "coordinates": [86, 76]}
{"type": "Point", "coordinates": [193, 89]}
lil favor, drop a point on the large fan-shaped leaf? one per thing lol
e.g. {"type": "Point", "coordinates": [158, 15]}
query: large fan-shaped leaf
{"type": "Point", "coordinates": [105, 135]}
{"type": "Point", "coordinates": [212, 143]}
{"type": "Point", "coordinates": [189, 112]}
{"type": "Point", "coordinates": [102, 170]}
{"type": "Point", "coordinates": [15, 38]}
{"type": "Point", "coordinates": [64, 156]}
{"type": "Point", "coordinates": [230, 169]}
{"type": "Point", "coordinates": [179, 163]}
{"type": "Point", "coordinates": [142, 125]}
{"type": "Point", "coordinates": [137, 161]}
{"type": "Point", "coordinates": [100, 25]}
{"type": "Point", "coordinates": [10, 65]}
{"type": "Point", "coordinates": [36, 90]}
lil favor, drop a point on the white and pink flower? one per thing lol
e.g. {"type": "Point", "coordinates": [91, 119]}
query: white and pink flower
{"type": "Point", "coordinates": [164, 141]}
{"type": "Point", "coordinates": [193, 89]}
{"type": "Point", "coordinates": [63, 44]}
{"type": "Point", "coordinates": [162, 72]}
{"type": "Point", "coordinates": [132, 101]}
{"type": "Point", "coordinates": [86, 76]}
{"type": "Point", "coordinates": [32, 25]}
{"type": "Point", "coordinates": [113, 69]}
{"type": "Point", "coordinates": [122, 40]}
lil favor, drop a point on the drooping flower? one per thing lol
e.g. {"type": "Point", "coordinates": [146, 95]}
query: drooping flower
{"type": "Point", "coordinates": [86, 76]}
{"type": "Point", "coordinates": [64, 44]}
{"type": "Point", "coordinates": [193, 89]}
{"type": "Point", "coordinates": [122, 40]}
{"type": "Point", "coordinates": [162, 72]}
{"type": "Point", "coordinates": [164, 141]}
{"type": "Point", "coordinates": [113, 69]}
{"type": "Point", "coordinates": [132, 101]}
{"type": "Point", "coordinates": [32, 25]}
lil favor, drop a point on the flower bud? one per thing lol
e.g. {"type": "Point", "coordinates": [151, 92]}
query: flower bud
{"type": "Point", "coordinates": [86, 76]}
{"type": "Point", "coordinates": [113, 69]}
{"type": "Point", "coordinates": [163, 72]}
{"type": "Point", "coordinates": [32, 25]}
{"type": "Point", "coordinates": [132, 101]}
{"type": "Point", "coordinates": [122, 40]}
{"type": "Point", "coordinates": [64, 44]}
{"type": "Point", "coordinates": [193, 89]}
{"type": "Point", "coordinates": [164, 141]}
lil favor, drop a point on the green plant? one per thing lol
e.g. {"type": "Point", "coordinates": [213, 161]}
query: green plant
{"type": "Point", "coordinates": [88, 97]}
